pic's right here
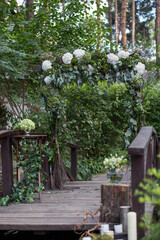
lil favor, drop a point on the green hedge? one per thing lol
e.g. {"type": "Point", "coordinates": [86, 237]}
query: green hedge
{"type": "Point", "coordinates": [96, 118]}
{"type": "Point", "coordinates": [152, 106]}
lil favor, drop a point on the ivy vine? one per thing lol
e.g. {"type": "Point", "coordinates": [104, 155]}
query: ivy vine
{"type": "Point", "coordinates": [26, 189]}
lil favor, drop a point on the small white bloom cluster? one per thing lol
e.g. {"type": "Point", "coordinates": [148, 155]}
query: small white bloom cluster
{"type": "Point", "coordinates": [114, 162]}
{"type": "Point", "coordinates": [112, 58]}
{"type": "Point", "coordinates": [79, 53]}
{"type": "Point", "coordinates": [140, 68]}
{"type": "Point", "coordinates": [47, 80]}
{"type": "Point", "coordinates": [123, 54]}
{"type": "Point", "coordinates": [67, 58]}
{"type": "Point", "coordinates": [46, 65]}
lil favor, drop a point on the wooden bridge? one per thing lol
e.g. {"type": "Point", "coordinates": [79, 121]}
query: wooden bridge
{"type": "Point", "coordinates": [74, 207]}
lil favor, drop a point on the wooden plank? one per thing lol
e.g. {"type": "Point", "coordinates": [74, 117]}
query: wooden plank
{"type": "Point", "coordinates": [58, 210]}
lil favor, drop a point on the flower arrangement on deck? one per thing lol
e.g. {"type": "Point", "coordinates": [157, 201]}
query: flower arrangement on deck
{"type": "Point", "coordinates": [25, 125]}
{"type": "Point", "coordinates": [115, 163]}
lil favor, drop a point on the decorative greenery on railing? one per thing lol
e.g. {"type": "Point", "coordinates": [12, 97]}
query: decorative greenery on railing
{"type": "Point", "coordinates": [25, 189]}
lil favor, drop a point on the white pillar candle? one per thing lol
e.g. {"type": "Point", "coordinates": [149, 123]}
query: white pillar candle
{"type": "Point", "coordinates": [132, 226]}
{"type": "Point", "coordinates": [104, 228]}
{"type": "Point", "coordinates": [110, 233]}
{"type": "Point", "coordinates": [118, 228]}
{"type": "Point", "coordinates": [86, 238]}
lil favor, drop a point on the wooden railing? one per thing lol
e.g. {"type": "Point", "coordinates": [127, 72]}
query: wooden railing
{"type": "Point", "coordinates": [7, 139]}
{"type": "Point", "coordinates": [143, 151]}
{"type": "Point", "coordinates": [7, 166]}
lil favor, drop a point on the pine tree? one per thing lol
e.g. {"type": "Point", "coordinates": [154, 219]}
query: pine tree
{"type": "Point", "coordinates": [123, 23]}
{"type": "Point", "coordinates": [133, 24]}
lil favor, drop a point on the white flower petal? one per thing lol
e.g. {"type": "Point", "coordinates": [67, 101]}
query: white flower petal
{"type": "Point", "coordinates": [67, 58]}
{"type": "Point", "coordinates": [46, 65]}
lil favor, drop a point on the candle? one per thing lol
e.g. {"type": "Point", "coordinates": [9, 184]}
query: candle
{"type": "Point", "coordinates": [132, 226]}
{"type": "Point", "coordinates": [104, 228]}
{"type": "Point", "coordinates": [86, 238]}
{"type": "Point", "coordinates": [110, 233]}
{"type": "Point", "coordinates": [118, 228]}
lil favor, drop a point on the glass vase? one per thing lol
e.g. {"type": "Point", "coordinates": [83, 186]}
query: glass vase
{"type": "Point", "coordinates": [114, 177]}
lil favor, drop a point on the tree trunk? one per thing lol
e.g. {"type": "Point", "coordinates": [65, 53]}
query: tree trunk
{"type": "Point", "coordinates": [133, 24]}
{"type": "Point", "coordinates": [158, 32]}
{"type": "Point", "coordinates": [112, 197]}
{"type": "Point", "coordinates": [30, 13]}
{"type": "Point", "coordinates": [116, 22]}
{"type": "Point", "coordinates": [110, 17]}
{"type": "Point", "coordinates": [123, 23]}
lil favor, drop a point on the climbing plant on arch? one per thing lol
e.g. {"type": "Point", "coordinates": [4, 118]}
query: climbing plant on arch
{"type": "Point", "coordinates": [79, 67]}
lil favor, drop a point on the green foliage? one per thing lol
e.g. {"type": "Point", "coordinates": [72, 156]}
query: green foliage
{"type": "Point", "coordinates": [4, 115]}
{"type": "Point", "coordinates": [96, 118]}
{"type": "Point", "coordinates": [25, 189]}
{"type": "Point", "coordinates": [150, 192]}
{"type": "Point", "coordinates": [152, 106]}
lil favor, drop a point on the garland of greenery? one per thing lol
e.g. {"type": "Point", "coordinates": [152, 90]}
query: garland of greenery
{"type": "Point", "coordinates": [83, 67]}
{"type": "Point", "coordinates": [25, 189]}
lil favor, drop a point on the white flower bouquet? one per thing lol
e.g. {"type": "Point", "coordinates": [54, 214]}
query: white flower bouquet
{"type": "Point", "coordinates": [114, 163]}
{"type": "Point", "coordinates": [25, 125]}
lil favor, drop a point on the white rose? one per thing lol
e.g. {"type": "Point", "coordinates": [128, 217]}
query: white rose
{"type": "Point", "coordinates": [140, 68]}
{"type": "Point", "coordinates": [46, 65]}
{"type": "Point", "coordinates": [112, 58]}
{"type": "Point", "coordinates": [47, 80]}
{"type": "Point", "coordinates": [123, 54]}
{"type": "Point", "coordinates": [79, 53]}
{"type": "Point", "coordinates": [67, 58]}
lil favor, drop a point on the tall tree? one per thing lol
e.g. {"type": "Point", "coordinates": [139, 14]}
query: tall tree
{"type": "Point", "coordinates": [133, 24]}
{"type": "Point", "coordinates": [158, 31]}
{"type": "Point", "coordinates": [116, 22]}
{"type": "Point", "coordinates": [123, 23]}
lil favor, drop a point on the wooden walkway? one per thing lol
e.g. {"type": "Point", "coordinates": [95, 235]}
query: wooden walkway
{"type": "Point", "coordinates": [58, 210]}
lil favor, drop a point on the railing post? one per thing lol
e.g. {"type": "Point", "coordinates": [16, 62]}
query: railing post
{"type": "Point", "coordinates": [137, 174]}
{"type": "Point", "coordinates": [74, 163]}
{"type": "Point", "coordinates": [7, 166]}
{"type": "Point", "coordinates": [143, 151]}
{"type": "Point", "coordinates": [74, 149]}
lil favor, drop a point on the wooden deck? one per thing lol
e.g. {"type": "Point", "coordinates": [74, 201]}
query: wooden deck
{"type": "Point", "coordinates": [58, 210]}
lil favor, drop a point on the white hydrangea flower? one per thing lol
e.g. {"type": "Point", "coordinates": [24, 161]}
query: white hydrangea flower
{"type": "Point", "coordinates": [91, 68]}
{"type": "Point", "coordinates": [47, 80]}
{"type": "Point", "coordinates": [112, 58]}
{"type": "Point", "coordinates": [67, 58]}
{"type": "Point", "coordinates": [123, 54]}
{"type": "Point", "coordinates": [46, 65]}
{"type": "Point", "coordinates": [79, 53]}
{"type": "Point", "coordinates": [140, 68]}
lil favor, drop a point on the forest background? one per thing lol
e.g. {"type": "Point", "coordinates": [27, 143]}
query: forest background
{"type": "Point", "coordinates": [94, 117]}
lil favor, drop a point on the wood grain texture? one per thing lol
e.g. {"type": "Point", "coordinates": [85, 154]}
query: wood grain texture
{"type": "Point", "coordinates": [112, 197]}
{"type": "Point", "coordinates": [58, 209]}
